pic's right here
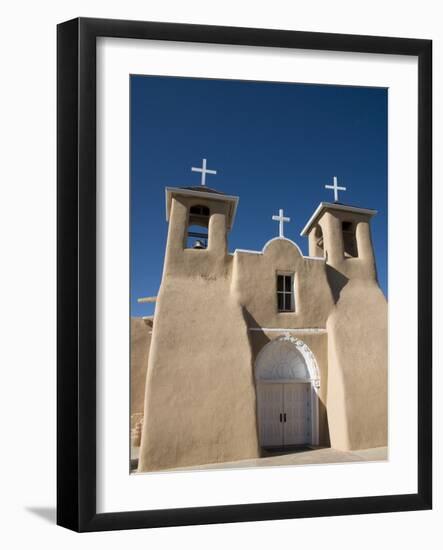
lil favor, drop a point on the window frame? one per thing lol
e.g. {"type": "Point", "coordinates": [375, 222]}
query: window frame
{"type": "Point", "coordinates": [285, 292]}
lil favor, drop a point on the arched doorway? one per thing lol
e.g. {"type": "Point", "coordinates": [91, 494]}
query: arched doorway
{"type": "Point", "coordinates": [287, 380]}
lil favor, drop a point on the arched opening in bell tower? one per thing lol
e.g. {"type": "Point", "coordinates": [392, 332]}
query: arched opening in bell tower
{"type": "Point", "coordinates": [349, 239]}
{"type": "Point", "coordinates": [316, 242]}
{"type": "Point", "coordinates": [197, 231]}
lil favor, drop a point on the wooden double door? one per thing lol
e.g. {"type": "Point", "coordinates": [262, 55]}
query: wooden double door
{"type": "Point", "coordinates": [284, 414]}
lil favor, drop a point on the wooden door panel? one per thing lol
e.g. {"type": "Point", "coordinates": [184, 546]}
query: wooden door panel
{"type": "Point", "coordinates": [270, 407]}
{"type": "Point", "coordinates": [297, 406]}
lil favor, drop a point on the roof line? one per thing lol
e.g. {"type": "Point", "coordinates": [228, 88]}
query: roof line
{"type": "Point", "coordinates": [335, 206]}
{"type": "Point", "coordinates": [213, 196]}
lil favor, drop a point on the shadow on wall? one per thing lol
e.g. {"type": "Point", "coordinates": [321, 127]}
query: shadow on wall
{"type": "Point", "coordinates": [337, 281]}
{"type": "Point", "coordinates": [255, 345]}
{"type": "Point", "coordinates": [324, 423]}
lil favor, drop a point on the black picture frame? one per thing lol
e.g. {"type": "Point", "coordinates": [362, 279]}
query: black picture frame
{"type": "Point", "coordinates": [76, 266]}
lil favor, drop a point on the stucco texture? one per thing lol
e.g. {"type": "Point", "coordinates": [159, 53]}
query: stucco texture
{"type": "Point", "coordinates": [200, 398]}
{"type": "Point", "coordinates": [140, 344]}
{"type": "Point", "coordinates": [357, 364]}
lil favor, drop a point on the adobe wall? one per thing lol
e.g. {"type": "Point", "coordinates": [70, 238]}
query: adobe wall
{"type": "Point", "coordinates": [199, 384]}
{"type": "Point", "coordinates": [358, 340]}
{"type": "Point", "coordinates": [199, 380]}
{"type": "Point", "coordinates": [254, 282]}
{"type": "Point", "coordinates": [140, 344]}
{"type": "Point", "coordinates": [357, 363]}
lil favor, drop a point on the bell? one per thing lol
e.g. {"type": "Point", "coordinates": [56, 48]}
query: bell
{"type": "Point", "coordinates": [199, 245]}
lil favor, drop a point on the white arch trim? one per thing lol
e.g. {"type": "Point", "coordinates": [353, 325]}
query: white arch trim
{"type": "Point", "coordinates": [268, 243]}
{"type": "Point", "coordinates": [282, 239]}
{"type": "Point", "coordinates": [303, 349]}
{"type": "Point", "coordinates": [261, 252]}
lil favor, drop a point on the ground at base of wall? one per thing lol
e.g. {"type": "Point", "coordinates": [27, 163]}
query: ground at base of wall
{"type": "Point", "coordinates": [325, 455]}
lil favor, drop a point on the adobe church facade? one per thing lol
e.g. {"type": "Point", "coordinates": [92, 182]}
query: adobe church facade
{"type": "Point", "coordinates": [264, 349]}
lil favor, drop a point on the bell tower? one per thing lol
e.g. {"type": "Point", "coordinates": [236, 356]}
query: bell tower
{"type": "Point", "coordinates": [356, 400]}
{"type": "Point", "coordinates": [199, 394]}
{"type": "Point", "coordinates": [342, 235]}
{"type": "Point", "coordinates": [200, 219]}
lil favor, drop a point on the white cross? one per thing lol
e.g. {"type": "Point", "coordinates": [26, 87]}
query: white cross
{"type": "Point", "coordinates": [336, 189]}
{"type": "Point", "coordinates": [203, 171]}
{"type": "Point", "coordinates": [281, 220]}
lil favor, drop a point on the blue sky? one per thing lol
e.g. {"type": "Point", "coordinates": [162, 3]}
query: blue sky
{"type": "Point", "coordinates": [275, 145]}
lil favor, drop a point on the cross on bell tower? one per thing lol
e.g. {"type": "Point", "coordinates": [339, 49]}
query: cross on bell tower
{"type": "Point", "coordinates": [203, 171]}
{"type": "Point", "coordinates": [335, 188]}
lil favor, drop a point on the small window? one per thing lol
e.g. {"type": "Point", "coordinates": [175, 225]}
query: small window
{"type": "Point", "coordinates": [285, 292]}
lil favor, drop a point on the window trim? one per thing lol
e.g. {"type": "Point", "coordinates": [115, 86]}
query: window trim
{"type": "Point", "coordinates": [284, 292]}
